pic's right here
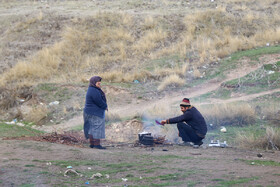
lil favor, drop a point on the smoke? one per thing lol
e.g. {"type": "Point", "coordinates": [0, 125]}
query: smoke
{"type": "Point", "coordinates": [170, 131]}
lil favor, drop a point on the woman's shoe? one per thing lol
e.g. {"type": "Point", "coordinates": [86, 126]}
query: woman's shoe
{"type": "Point", "coordinates": [97, 147]}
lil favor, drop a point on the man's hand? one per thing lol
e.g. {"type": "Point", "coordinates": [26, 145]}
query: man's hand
{"type": "Point", "coordinates": [163, 122]}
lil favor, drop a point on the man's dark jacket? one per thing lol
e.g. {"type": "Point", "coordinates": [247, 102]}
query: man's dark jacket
{"type": "Point", "coordinates": [194, 119]}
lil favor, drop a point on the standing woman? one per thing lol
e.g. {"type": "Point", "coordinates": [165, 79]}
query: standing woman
{"type": "Point", "coordinates": [94, 113]}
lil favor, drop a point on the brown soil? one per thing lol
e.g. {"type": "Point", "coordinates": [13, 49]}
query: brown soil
{"type": "Point", "coordinates": [37, 163]}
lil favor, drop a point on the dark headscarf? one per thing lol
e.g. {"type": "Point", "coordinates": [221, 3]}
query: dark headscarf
{"type": "Point", "coordinates": [92, 82]}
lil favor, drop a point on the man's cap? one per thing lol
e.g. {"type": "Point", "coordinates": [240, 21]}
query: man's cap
{"type": "Point", "coordinates": [185, 102]}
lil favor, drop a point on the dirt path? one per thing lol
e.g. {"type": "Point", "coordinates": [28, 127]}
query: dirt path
{"type": "Point", "coordinates": [173, 98]}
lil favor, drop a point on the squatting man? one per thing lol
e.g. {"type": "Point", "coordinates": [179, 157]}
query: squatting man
{"type": "Point", "coordinates": [191, 124]}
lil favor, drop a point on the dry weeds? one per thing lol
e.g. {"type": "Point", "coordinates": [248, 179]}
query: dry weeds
{"type": "Point", "coordinates": [121, 42]}
{"type": "Point", "coordinates": [235, 114]}
{"type": "Point", "coordinates": [171, 81]}
{"type": "Point", "coordinates": [271, 140]}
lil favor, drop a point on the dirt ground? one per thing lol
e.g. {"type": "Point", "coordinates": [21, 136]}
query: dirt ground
{"type": "Point", "coordinates": [31, 163]}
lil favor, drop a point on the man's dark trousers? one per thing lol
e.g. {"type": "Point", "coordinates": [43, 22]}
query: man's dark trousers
{"type": "Point", "coordinates": [187, 133]}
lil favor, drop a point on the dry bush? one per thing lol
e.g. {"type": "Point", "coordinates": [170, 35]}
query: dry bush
{"type": "Point", "coordinates": [172, 80]}
{"type": "Point", "coordinates": [141, 75]}
{"type": "Point", "coordinates": [149, 23]}
{"type": "Point", "coordinates": [267, 36]}
{"type": "Point", "coordinates": [196, 73]}
{"type": "Point", "coordinates": [8, 98]}
{"type": "Point", "coordinates": [270, 113]}
{"type": "Point", "coordinates": [113, 76]}
{"type": "Point", "coordinates": [37, 114]}
{"type": "Point", "coordinates": [249, 140]}
{"type": "Point", "coordinates": [236, 114]}
{"type": "Point", "coordinates": [271, 139]}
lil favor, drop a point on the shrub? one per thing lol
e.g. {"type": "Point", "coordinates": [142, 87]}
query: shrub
{"type": "Point", "coordinates": [269, 140]}
{"type": "Point", "coordinates": [37, 114]}
{"type": "Point", "coordinates": [172, 80]}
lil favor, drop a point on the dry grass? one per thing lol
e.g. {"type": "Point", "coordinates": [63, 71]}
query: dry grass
{"type": "Point", "coordinates": [171, 81]}
{"type": "Point", "coordinates": [270, 111]}
{"type": "Point", "coordinates": [113, 44]}
{"type": "Point", "coordinates": [37, 114]}
{"type": "Point", "coordinates": [178, 70]}
{"type": "Point", "coordinates": [235, 114]}
{"type": "Point", "coordinates": [8, 98]}
{"type": "Point", "coordinates": [271, 140]}
{"type": "Point", "coordinates": [161, 111]}
{"type": "Point", "coordinates": [149, 41]}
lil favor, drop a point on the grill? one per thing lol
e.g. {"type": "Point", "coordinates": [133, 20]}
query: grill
{"type": "Point", "coordinates": [146, 138]}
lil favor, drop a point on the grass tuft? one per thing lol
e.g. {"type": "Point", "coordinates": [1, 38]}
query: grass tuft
{"type": "Point", "coordinates": [171, 81]}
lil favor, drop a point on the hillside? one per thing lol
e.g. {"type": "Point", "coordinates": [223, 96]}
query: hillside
{"type": "Point", "coordinates": [165, 45]}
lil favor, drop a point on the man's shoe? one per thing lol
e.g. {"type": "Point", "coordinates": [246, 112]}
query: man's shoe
{"type": "Point", "coordinates": [185, 144]}
{"type": "Point", "coordinates": [197, 144]}
{"type": "Point", "coordinates": [97, 147]}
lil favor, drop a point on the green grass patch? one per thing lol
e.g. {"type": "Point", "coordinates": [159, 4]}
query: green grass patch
{"type": "Point", "coordinates": [27, 185]}
{"type": "Point", "coordinates": [226, 183]}
{"type": "Point", "coordinates": [217, 180]}
{"type": "Point", "coordinates": [173, 157]}
{"type": "Point", "coordinates": [257, 81]}
{"type": "Point", "coordinates": [164, 62]}
{"type": "Point", "coordinates": [105, 180]}
{"type": "Point", "coordinates": [54, 92]}
{"type": "Point", "coordinates": [7, 130]}
{"type": "Point", "coordinates": [29, 165]}
{"type": "Point", "coordinates": [254, 54]}
{"type": "Point", "coordinates": [123, 165]}
{"type": "Point", "coordinates": [231, 62]}
{"type": "Point", "coordinates": [159, 184]}
{"type": "Point", "coordinates": [192, 183]}
{"type": "Point", "coordinates": [167, 184]}
{"type": "Point", "coordinates": [262, 162]}
{"type": "Point", "coordinates": [44, 173]}
{"type": "Point", "coordinates": [78, 128]}
{"type": "Point", "coordinates": [48, 87]}
{"type": "Point", "coordinates": [151, 170]}
{"type": "Point", "coordinates": [202, 98]}
{"type": "Point", "coordinates": [232, 132]}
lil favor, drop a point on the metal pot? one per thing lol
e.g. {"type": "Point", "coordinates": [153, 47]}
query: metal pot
{"type": "Point", "coordinates": [146, 138]}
